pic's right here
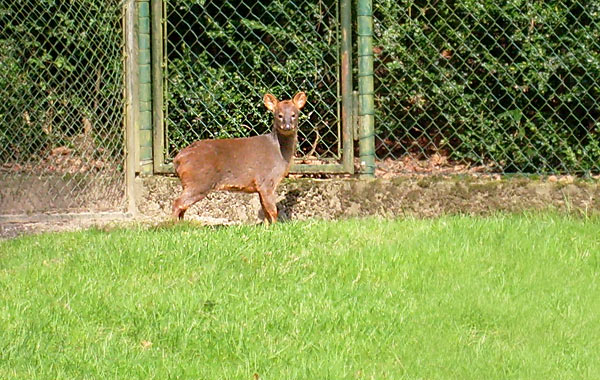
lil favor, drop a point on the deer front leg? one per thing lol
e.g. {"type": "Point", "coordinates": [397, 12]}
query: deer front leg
{"type": "Point", "coordinates": [269, 207]}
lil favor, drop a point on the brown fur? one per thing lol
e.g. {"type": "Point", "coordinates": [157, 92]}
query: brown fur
{"type": "Point", "coordinates": [252, 164]}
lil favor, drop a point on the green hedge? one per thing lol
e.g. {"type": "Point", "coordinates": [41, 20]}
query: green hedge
{"type": "Point", "coordinates": [61, 72]}
{"type": "Point", "coordinates": [513, 84]}
{"type": "Point", "coordinates": [223, 57]}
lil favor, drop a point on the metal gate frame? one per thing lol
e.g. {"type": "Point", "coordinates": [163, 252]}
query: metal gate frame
{"type": "Point", "coordinates": [158, 81]}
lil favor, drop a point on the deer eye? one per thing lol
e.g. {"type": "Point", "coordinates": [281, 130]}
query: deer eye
{"type": "Point", "coordinates": [280, 116]}
{"type": "Point", "coordinates": [293, 115]}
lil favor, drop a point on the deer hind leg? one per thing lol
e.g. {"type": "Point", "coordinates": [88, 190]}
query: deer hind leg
{"type": "Point", "coordinates": [185, 201]}
{"type": "Point", "coordinates": [269, 207]}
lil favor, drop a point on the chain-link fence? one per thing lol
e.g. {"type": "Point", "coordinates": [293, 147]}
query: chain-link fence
{"type": "Point", "coordinates": [61, 106]}
{"type": "Point", "coordinates": [473, 85]}
{"type": "Point", "coordinates": [492, 86]}
{"type": "Point", "coordinates": [223, 56]}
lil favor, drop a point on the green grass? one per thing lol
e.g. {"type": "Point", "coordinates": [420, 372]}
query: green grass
{"type": "Point", "coordinates": [504, 297]}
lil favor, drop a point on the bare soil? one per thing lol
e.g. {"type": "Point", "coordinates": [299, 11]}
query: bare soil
{"type": "Point", "coordinates": [413, 195]}
{"type": "Point", "coordinates": [424, 196]}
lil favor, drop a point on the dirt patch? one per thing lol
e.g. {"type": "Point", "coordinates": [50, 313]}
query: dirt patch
{"type": "Point", "coordinates": [34, 194]}
{"type": "Point", "coordinates": [306, 198]}
{"type": "Point", "coordinates": [425, 196]}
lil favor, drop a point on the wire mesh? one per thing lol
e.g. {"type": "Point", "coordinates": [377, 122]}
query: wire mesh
{"type": "Point", "coordinates": [223, 56]}
{"type": "Point", "coordinates": [61, 108]}
{"type": "Point", "coordinates": [506, 87]}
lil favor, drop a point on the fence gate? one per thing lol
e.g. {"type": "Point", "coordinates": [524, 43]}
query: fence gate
{"type": "Point", "coordinates": [218, 58]}
{"type": "Point", "coordinates": [61, 107]}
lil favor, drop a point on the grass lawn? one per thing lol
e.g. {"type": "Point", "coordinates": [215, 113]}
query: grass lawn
{"type": "Point", "coordinates": [504, 297]}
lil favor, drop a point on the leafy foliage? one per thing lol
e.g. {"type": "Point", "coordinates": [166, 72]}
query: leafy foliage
{"type": "Point", "coordinates": [61, 72]}
{"type": "Point", "coordinates": [511, 84]}
{"type": "Point", "coordinates": [223, 57]}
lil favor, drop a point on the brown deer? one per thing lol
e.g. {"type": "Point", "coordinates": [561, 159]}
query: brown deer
{"type": "Point", "coordinates": [251, 164]}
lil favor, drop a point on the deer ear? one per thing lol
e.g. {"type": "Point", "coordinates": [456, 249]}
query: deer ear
{"type": "Point", "coordinates": [270, 102]}
{"type": "Point", "coordinates": [300, 99]}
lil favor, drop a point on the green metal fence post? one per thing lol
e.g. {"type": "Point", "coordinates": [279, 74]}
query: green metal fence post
{"type": "Point", "coordinates": [157, 85]}
{"type": "Point", "coordinates": [346, 78]}
{"type": "Point", "coordinates": [366, 111]}
{"type": "Point", "coordinates": [145, 86]}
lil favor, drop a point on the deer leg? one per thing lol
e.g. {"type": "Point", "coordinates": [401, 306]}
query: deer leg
{"type": "Point", "coordinates": [185, 201]}
{"type": "Point", "coordinates": [267, 201]}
